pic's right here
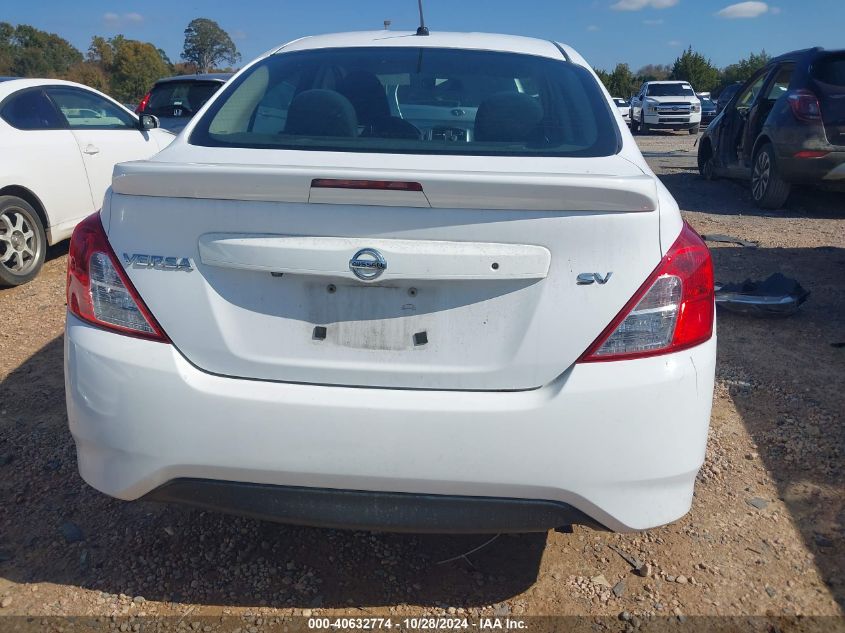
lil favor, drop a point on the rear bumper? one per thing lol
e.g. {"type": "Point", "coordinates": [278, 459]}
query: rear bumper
{"type": "Point", "coordinates": [367, 510]}
{"type": "Point", "coordinates": [829, 168]}
{"type": "Point", "coordinates": [620, 442]}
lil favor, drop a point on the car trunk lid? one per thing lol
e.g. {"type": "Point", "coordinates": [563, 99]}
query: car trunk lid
{"type": "Point", "coordinates": [466, 282]}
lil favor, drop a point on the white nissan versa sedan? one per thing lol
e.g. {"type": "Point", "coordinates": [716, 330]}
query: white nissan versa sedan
{"type": "Point", "coordinates": [396, 282]}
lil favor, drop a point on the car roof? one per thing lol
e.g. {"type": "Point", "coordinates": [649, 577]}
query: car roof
{"type": "Point", "coordinates": [669, 81]}
{"type": "Point", "coordinates": [803, 52]}
{"type": "Point", "coordinates": [436, 39]}
{"type": "Point", "coordinates": [221, 77]}
{"type": "Point", "coordinates": [13, 84]}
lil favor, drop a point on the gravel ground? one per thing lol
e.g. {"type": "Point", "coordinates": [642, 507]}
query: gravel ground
{"type": "Point", "coordinates": [765, 535]}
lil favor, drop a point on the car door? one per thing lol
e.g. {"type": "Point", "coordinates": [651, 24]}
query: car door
{"type": "Point", "coordinates": [43, 156]}
{"type": "Point", "coordinates": [106, 134]}
{"type": "Point", "coordinates": [732, 134]}
{"type": "Point", "coordinates": [776, 86]}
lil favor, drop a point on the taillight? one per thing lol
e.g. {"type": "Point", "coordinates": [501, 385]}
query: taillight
{"type": "Point", "coordinates": [98, 290]}
{"type": "Point", "coordinates": [805, 105]}
{"type": "Point", "coordinates": [671, 311]}
{"type": "Point", "coordinates": [143, 105]}
{"type": "Point", "coordinates": [810, 153]}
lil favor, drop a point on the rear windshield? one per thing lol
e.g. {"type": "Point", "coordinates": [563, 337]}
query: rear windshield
{"type": "Point", "coordinates": [413, 100]}
{"type": "Point", "coordinates": [180, 98]}
{"type": "Point", "coordinates": [830, 70]}
{"type": "Point", "coordinates": [670, 90]}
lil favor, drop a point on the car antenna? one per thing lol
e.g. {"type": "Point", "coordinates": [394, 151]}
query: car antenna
{"type": "Point", "coordinates": [422, 29]}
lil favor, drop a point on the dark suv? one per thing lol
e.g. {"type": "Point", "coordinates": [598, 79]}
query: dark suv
{"type": "Point", "coordinates": [174, 100]}
{"type": "Point", "coordinates": [784, 126]}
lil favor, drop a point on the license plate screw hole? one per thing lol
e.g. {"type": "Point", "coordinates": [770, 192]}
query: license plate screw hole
{"type": "Point", "coordinates": [420, 338]}
{"type": "Point", "coordinates": [412, 292]}
{"type": "Point", "coordinates": [319, 333]}
{"type": "Point", "coordinates": [331, 288]}
{"type": "Point", "coordinates": [495, 266]}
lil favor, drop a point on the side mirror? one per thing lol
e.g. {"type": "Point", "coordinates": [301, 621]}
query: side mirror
{"type": "Point", "coordinates": [148, 122]}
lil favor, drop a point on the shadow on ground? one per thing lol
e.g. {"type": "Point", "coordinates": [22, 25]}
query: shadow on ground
{"type": "Point", "coordinates": [733, 197]}
{"type": "Point", "coordinates": [57, 250]}
{"type": "Point", "coordinates": [171, 553]}
{"type": "Point", "coordinates": [790, 391]}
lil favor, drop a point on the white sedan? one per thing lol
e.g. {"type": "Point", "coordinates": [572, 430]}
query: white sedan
{"type": "Point", "coordinates": [624, 107]}
{"type": "Point", "coordinates": [396, 283]}
{"type": "Point", "coordinates": [61, 141]}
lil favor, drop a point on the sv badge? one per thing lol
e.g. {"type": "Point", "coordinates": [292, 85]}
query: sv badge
{"type": "Point", "coordinates": [585, 279]}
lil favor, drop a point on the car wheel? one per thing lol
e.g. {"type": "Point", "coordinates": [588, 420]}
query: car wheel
{"type": "Point", "coordinates": [23, 242]}
{"type": "Point", "coordinates": [644, 128]}
{"type": "Point", "coordinates": [706, 164]}
{"type": "Point", "coordinates": [635, 126]}
{"type": "Point", "coordinates": [694, 130]}
{"type": "Point", "coordinates": [768, 189]}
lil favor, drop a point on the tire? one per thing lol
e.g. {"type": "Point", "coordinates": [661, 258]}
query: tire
{"type": "Point", "coordinates": [645, 128]}
{"type": "Point", "coordinates": [23, 242]}
{"type": "Point", "coordinates": [635, 126]}
{"type": "Point", "coordinates": [694, 130]}
{"type": "Point", "coordinates": [768, 189]}
{"type": "Point", "coordinates": [706, 164]}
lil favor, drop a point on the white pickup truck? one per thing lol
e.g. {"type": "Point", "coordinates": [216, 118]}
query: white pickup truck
{"type": "Point", "coordinates": [670, 105]}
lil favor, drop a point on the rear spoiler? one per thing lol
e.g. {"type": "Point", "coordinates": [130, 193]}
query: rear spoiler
{"type": "Point", "coordinates": [439, 189]}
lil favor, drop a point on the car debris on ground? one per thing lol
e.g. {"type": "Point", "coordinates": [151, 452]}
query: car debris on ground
{"type": "Point", "coordinates": [776, 296]}
{"type": "Point", "coordinates": [729, 239]}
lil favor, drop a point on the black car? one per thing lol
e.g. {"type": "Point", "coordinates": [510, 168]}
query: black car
{"type": "Point", "coordinates": [708, 110]}
{"type": "Point", "coordinates": [784, 126]}
{"type": "Point", "coordinates": [174, 100]}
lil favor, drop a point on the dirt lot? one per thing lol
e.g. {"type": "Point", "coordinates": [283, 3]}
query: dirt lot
{"type": "Point", "coordinates": [766, 534]}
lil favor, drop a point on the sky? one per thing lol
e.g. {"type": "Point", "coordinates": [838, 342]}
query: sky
{"type": "Point", "coordinates": [605, 32]}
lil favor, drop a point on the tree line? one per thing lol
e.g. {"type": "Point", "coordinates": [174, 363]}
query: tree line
{"type": "Point", "coordinates": [124, 68]}
{"type": "Point", "coordinates": [689, 66]}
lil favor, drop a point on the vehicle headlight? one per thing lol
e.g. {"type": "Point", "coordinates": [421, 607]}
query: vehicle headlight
{"type": "Point", "coordinates": [695, 108]}
{"type": "Point", "coordinates": [651, 107]}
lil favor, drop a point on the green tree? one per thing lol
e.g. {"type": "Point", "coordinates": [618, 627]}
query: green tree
{"type": "Point", "coordinates": [6, 51]}
{"type": "Point", "coordinates": [137, 66]}
{"type": "Point", "coordinates": [622, 82]}
{"type": "Point", "coordinates": [89, 74]}
{"type": "Point", "coordinates": [744, 68]}
{"type": "Point", "coordinates": [165, 58]}
{"type": "Point", "coordinates": [130, 67]}
{"type": "Point", "coordinates": [101, 51]}
{"type": "Point", "coordinates": [696, 69]}
{"type": "Point", "coordinates": [28, 52]}
{"type": "Point", "coordinates": [206, 44]}
{"type": "Point", "coordinates": [604, 77]}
